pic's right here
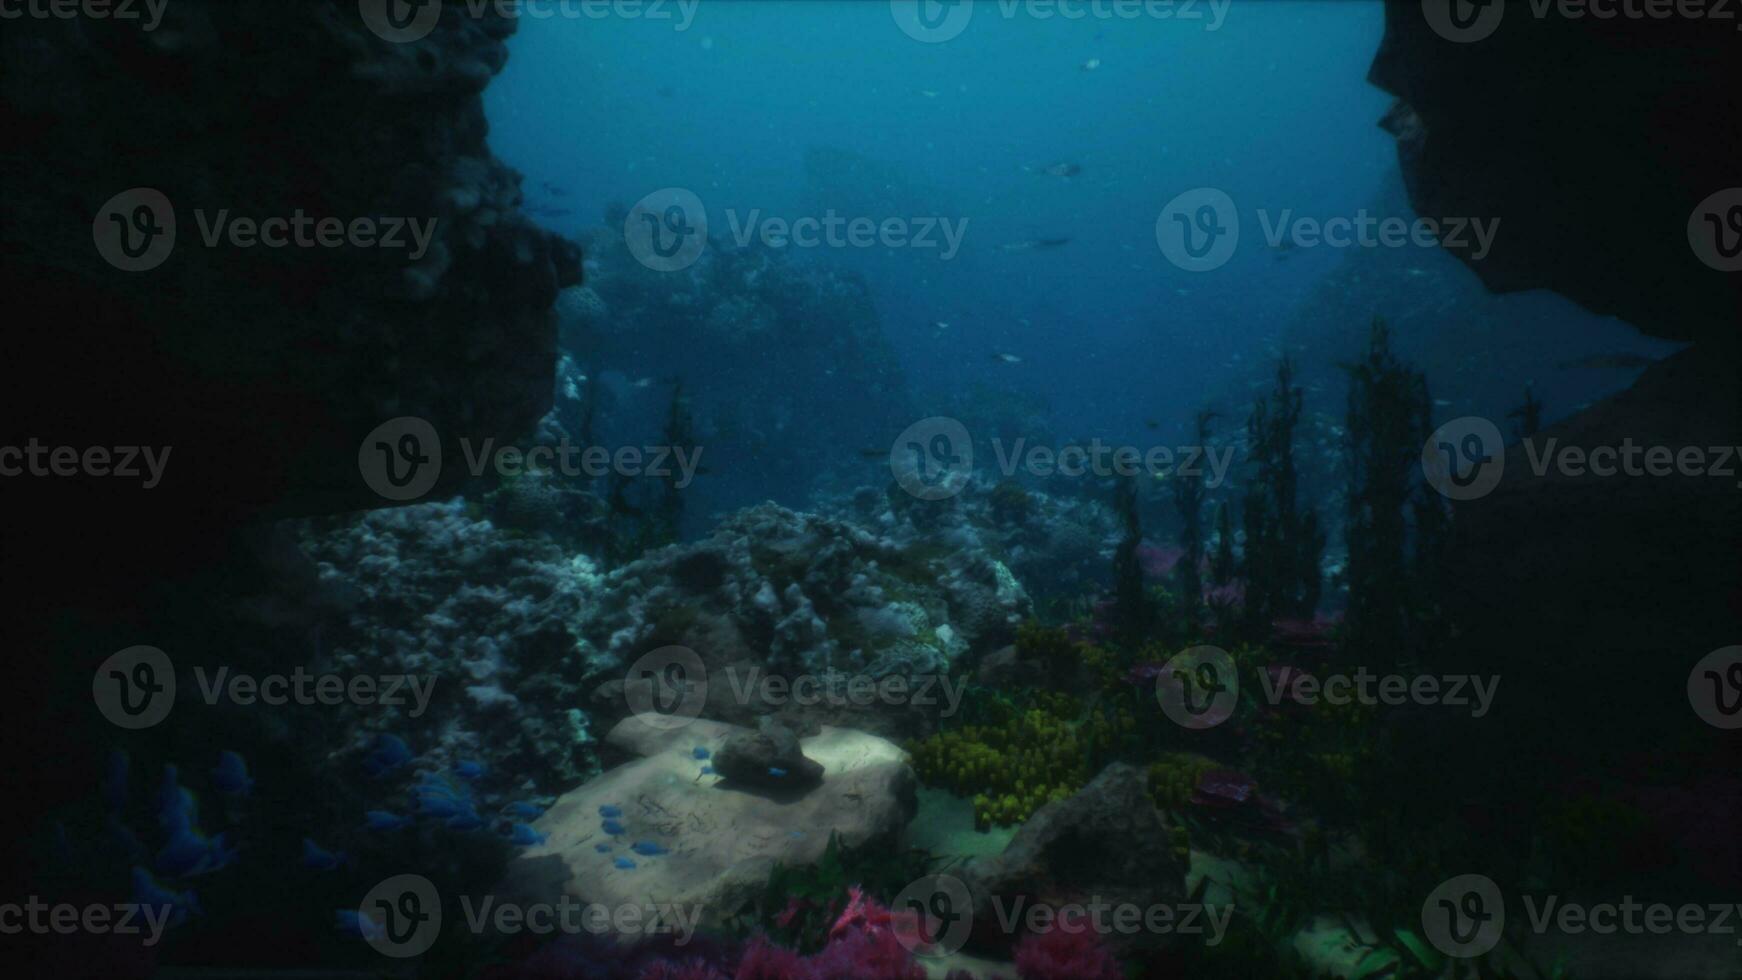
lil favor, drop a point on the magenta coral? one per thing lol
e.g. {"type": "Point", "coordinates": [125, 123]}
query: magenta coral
{"type": "Point", "coordinates": [1058, 954]}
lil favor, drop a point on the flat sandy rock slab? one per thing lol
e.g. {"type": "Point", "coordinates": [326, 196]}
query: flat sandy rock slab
{"type": "Point", "coordinates": [701, 839]}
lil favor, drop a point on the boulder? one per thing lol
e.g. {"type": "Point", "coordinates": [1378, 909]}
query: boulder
{"type": "Point", "coordinates": [719, 840]}
{"type": "Point", "coordinates": [769, 757]}
{"type": "Point", "coordinates": [1107, 843]}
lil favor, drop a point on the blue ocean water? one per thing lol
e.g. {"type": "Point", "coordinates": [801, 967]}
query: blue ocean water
{"type": "Point", "coordinates": [1266, 102]}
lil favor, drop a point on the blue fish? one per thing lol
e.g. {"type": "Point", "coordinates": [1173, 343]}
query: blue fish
{"type": "Point", "coordinates": [384, 820]}
{"type": "Point", "coordinates": [524, 836]}
{"type": "Point", "coordinates": [387, 754]}
{"type": "Point", "coordinates": [707, 770]}
{"type": "Point", "coordinates": [610, 812]}
{"type": "Point", "coordinates": [623, 864]}
{"type": "Point", "coordinates": [611, 827]}
{"type": "Point", "coordinates": [700, 752]}
{"type": "Point", "coordinates": [602, 848]}
{"type": "Point", "coordinates": [357, 924]}
{"type": "Point", "coordinates": [149, 892]}
{"type": "Point", "coordinates": [525, 811]}
{"type": "Point", "coordinates": [231, 775]}
{"type": "Point", "coordinates": [439, 798]}
{"type": "Point", "coordinates": [777, 772]}
{"type": "Point", "coordinates": [467, 819]}
{"type": "Point", "coordinates": [177, 807]}
{"type": "Point", "coordinates": [190, 852]}
{"type": "Point", "coordinates": [647, 848]}
{"type": "Point", "coordinates": [319, 858]}
{"type": "Point", "coordinates": [115, 780]}
{"type": "Point", "coordinates": [470, 770]}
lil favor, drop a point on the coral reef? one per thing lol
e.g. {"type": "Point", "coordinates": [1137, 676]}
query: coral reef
{"type": "Point", "coordinates": [436, 591]}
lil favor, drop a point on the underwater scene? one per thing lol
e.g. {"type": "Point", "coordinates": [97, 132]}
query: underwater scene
{"type": "Point", "coordinates": [872, 489]}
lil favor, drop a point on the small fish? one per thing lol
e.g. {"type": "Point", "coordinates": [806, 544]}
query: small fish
{"type": "Point", "coordinates": [319, 858]}
{"type": "Point", "coordinates": [525, 811]}
{"type": "Point", "coordinates": [553, 190]}
{"type": "Point", "coordinates": [1007, 358]}
{"type": "Point", "coordinates": [611, 812]}
{"type": "Point", "coordinates": [1063, 170]}
{"type": "Point", "coordinates": [470, 770]}
{"type": "Point", "coordinates": [466, 819]}
{"type": "Point", "coordinates": [230, 777]}
{"type": "Point", "coordinates": [701, 752]}
{"type": "Point", "coordinates": [524, 836]}
{"type": "Point", "coordinates": [388, 754]}
{"type": "Point", "coordinates": [623, 864]}
{"type": "Point", "coordinates": [928, 93]}
{"type": "Point", "coordinates": [611, 827]}
{"type": "Point", "coordinates": [1091, 64]}
{"type": "Point", "coordinates": [356, 923]}
{"type": "Point", "coordinates": [777, 772]}
{"type": "Point", "coordinates": [863, 454]}
{"type": "Point", "coordinates": [940, 325]}
{"type": "Point", "coordinates": [190, 852]}
{"type": "Point", "coordinates": [384, 820]}
{"type": "Point", "coordinates": [647, 848]}
{"type": "Point", "coordinates": [1442, 403]}
{"type": "Point", "coordinates": [602, 848]}
{"type": "Point", "coordinates": [707, 770]}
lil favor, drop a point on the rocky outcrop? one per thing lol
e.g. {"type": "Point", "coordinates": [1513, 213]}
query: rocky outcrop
{"type": "Point", "coordinates": [1592, 139]}
{"type": "Point", "coordinates": [659, 830]}
{"type": "Point", "coordinates": [265, 365]}
{"type": "Point", "coordinates": [774, 593]}
{"type": "Point", "coordinates": [487, 616]}
{"type": "Point", "coordinates": [1107, 843]}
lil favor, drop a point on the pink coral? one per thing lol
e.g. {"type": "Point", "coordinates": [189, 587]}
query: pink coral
{"type": "Point", "coordinates": [1058, 954]}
